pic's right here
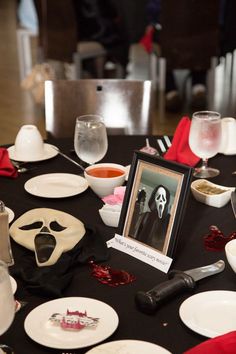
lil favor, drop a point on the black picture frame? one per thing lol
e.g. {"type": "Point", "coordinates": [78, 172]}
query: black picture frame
{"type": "Point", "coordinates": [155, 201]}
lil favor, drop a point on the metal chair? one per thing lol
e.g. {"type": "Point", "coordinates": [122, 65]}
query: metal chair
{"type": "Point", "coordinates": [125, 105]}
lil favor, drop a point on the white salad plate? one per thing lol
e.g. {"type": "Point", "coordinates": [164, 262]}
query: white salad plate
{"type": "Point", "coordinates": [56, 185]}
{"type": "Point", "coordinates": [11, 214]}
{"type": "Point", "coordinates": [13, 284]}
{"type": "Point", "coordinates": [128, 347]}
{"type": "Point", "coordinates": [41, 330]}
{"type": "Point", "coordinates": [210, 313]}
{"type": "Point", "coordinates": [49, 152]}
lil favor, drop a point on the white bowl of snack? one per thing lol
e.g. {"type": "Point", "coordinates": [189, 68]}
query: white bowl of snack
{"type": "Point", "coordinates": [110, 214]}
{"type": "Point", "coordinates": [210, 193]}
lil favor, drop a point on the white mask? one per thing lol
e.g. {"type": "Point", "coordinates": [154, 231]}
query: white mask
{"type": "Point", "coordinates": [48, 233]}
{"type": "Point", "coordinates": [161, 200]}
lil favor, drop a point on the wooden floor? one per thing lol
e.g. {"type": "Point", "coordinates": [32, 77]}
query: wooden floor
{"type": "Point", "coordinates": [17, 106]}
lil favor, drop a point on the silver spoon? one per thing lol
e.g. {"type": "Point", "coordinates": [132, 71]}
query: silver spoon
{"type": "Point", "coordinates": [68, 158]}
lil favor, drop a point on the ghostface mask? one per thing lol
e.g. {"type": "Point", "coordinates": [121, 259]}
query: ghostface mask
{"type": "Point", "coordinates": [48, 233]}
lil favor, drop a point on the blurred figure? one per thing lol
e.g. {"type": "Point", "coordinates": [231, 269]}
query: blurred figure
{"type": "Point", "coordinates": [228, 26]}
{"type": "Point", "coordinates": [27, 15]}
{"type": "Point", "coordinates": [198, 75]}
{"type": "Point", "coordinates": [99, 20]}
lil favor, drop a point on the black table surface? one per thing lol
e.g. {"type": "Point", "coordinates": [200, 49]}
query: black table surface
{"type": "Point", "coordinates": [165, 327]}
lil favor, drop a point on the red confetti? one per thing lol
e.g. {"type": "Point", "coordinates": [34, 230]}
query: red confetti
{"type": "Point", "coordinates": [111, 277]}
{"type": "Point", "coordinates": [216, 240]}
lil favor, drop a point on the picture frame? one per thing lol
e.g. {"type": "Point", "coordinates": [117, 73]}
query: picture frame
{"type": "Point", "coordinates": [154, 203]}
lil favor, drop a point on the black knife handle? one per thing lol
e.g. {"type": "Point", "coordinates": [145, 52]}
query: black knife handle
{"type": "Point", "coordinates": [149, 301]}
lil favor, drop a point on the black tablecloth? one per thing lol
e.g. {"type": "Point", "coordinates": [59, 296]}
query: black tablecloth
{"type": "Point", "coordinates": [165, 328]}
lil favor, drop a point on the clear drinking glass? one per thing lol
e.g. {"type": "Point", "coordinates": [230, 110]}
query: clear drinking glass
{"type": "Point", "coordinates": [90, 140]}
{"type": "Point", "coordinates": [7, 302]}
{"type": "Point", "coordinates": [205, 140]}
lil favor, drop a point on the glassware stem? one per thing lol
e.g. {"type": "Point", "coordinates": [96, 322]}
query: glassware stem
{"type": "Point", "coordinates": [205, 171]}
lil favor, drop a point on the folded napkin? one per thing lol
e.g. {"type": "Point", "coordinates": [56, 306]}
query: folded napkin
{"type": "Point", "coordinates": [180, 150]}
{"type": "Point", "coordinates": [147, 40]}
{"type": "Point", "coordinates": [6, 167]}
{"type": "Point", "coordinates": [224, 344]}
{"type": "Point", "coordinates": [52, 280]}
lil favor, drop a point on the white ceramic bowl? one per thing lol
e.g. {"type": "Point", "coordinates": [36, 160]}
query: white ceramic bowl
{"type": "Point", "coordinates": [216, 199]}
{"type": "Point", "coordinates": [110, 214]}
{"type": "Point", "coordinates": [105, 186]}
{"type": "Point", "coordinates": [29, 143]}
{"type": "Point", "coordinates": [230, 251]}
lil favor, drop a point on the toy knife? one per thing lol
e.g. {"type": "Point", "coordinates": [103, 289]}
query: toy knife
{"type": "Point", "coordinates": [179, 281]}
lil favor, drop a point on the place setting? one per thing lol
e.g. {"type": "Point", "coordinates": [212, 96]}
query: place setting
{"type": "Point", "coordinates": [30, 147]}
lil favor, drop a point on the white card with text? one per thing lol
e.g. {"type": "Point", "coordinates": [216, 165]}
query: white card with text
{"type": "Point", "coordinates": [141, 252]}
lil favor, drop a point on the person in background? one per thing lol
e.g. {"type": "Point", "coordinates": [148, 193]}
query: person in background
{"type": "Point", "coordinates": [198, 77]}
{"type": "Point", "coordinates": [27, 15]}
{"type": "Point", "coordinates": [100, 20]}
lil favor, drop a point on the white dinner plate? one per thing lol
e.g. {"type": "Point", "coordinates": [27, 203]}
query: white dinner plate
{"type": "Point", "coordinates": [210, 313]}
{"type": "Point", "coordinates": [128, 347]}
{"type": "Point", "coordinates": [11, 214]}
{"type": "Point", "coordinates": [49, 152]}
{"type": "Point", "coordinates": [13, 284]}
{"type": "Point", "coordinates": [39, 328]}
{"type": "Point", "coordinates": [56, 185]}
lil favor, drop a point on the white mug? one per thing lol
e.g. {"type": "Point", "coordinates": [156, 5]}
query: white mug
{"type": "Point", "coordinates": [228, 140]}
{"type": "Point", "coordinates": [29, 143]}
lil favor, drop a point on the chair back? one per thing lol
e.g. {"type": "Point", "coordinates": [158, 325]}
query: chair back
{"type": "Point", "coordinates": [125, 105]}
{"type": "Point", "coordinates": [190, 33]}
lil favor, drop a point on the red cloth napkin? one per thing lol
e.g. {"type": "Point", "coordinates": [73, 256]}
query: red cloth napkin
{"type": "Point", "coordinates": [147, 40]}
{"type": "Point", "coordinates": [180, 150]}
{"type": "Point", "coordinates": [6, 167]}
{"type": "Point", "coordinates": [225, 344]}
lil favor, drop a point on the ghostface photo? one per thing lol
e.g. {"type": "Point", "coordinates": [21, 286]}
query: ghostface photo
{"type": "Point", "coordinates": [154, 202]}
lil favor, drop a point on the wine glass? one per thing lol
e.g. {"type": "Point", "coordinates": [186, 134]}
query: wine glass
{"type": "Point", "coordinates": [90, 140]}
{"type": "Point", "coordinates": [7, 302]}
{"type": "Point", "coordinates": [205, 140]}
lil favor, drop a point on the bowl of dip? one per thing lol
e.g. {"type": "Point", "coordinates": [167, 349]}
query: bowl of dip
{"type": "Point", "coordinates": [210, 193]}
{"type": "Point", "coordinates": [104, 177]}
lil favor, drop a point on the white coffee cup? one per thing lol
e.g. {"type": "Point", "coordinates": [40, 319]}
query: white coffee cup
{"type": "Point", "coordinates": [230, 251]}
{"type": "Point", "coordinates": [29, 145]}
{"type": "Point", "coordinates": [228, 140]}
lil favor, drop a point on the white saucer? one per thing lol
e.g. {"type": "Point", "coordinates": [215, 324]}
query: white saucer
{"type": "Point", "coordinates": [41, 330]}
{"type": "Point", "coordinates": [56, 185]}
{"type": "Point", "coordinates": [49, 152]}
{"type": "Point", "coordinates": [210, 313]}
{"type": "Point", "coordinates": [229, 153]}
{"type": "Point", "coordinates": [128, 346]}
{"type": "Point", "coordinates": [11, 214]}
{"type": "Point", "coordinates": [13, 284]}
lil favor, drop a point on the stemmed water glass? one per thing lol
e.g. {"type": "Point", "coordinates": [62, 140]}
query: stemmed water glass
{"type": "Point", "coordinates": [205, 140]}
{"type": "Point", "coordinates": [90, 140]}
{"type": "Point", "coordinates": [7, 302]}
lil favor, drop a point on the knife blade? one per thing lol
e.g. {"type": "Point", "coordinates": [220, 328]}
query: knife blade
{"type": "Point", "coordinates": [233, 202]}
{"type": "Point", "coordinates": [179, 281]}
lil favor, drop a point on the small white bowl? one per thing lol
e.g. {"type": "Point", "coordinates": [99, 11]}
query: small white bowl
{"type": "Point", "coordinates": [104, 186]}
{"type": "Point", "coordinates": [230, 251]}
{"type": "Point", "coordinates": [218, 198]}
{"type": "Point", "coordinates": [110, 214]}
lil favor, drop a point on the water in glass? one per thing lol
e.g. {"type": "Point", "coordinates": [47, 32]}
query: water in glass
{"type": "Point", "coordinates": [205, 140]}
{"type": "Point", "coordinates": [90, 140]}
{"type": "Point", "coordinates": [7, 303]}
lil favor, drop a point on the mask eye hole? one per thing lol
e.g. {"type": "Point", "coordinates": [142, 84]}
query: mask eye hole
{"type": "Point", "coordinates": [55, 226]}
{"type": "Point", "coordinates": [34, 225]}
